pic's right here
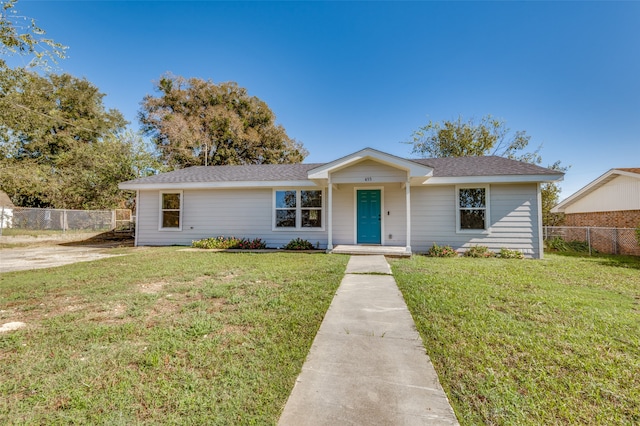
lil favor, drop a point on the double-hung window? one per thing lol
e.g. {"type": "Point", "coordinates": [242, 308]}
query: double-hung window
{"type": "Point", "coordinates": [473, 211]}
{"type": "Point", "coordinates": [298, 209]}
{"type": "Point", "coordinates": [171, 211]}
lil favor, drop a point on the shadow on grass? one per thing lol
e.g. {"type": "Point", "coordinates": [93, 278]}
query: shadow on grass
{"type": "Point", "coordinates": [105, 239]}
{"type": "Point", "coordinates": [612, 260]}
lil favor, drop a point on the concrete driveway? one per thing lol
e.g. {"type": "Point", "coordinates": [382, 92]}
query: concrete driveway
{"type": "Point", "coordinates": [20, 259]}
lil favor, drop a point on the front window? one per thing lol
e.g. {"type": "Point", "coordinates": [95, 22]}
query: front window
{"type": "Point", "coordinates": [472, 208]}
{"type": "Point", "coordinates": [170, 210]}
{"type": "Point", "coordinates": [297, 209]}
{"type": "Point", "coordinates": [286, 202]}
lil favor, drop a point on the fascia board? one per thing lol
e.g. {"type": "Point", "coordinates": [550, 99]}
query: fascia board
{"type": "Point", "coordinates": [457, 180]}
{"type": "Point", "coordinates": [218, 185]}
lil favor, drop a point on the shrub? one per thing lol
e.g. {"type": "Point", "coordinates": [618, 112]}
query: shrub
{"type": "Point", "coordinates": [225, 243]}
{"type": "Point", "coordinates": [505, 253]}
{"type": "Point", "coordinates": [441, 251]}
{"type": "Point", "coordinates": [559, 244]}
{"type": "Point", "coordinates": [299, 244]}
{"type": "Point", "coordinates": [479, 251]}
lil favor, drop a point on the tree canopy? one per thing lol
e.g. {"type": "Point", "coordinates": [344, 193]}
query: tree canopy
{"type": "Point", "coordinates": [20, 35]}
{"type": "Point", "coordinates": [59, 146]}
{"type": "Point", "coordinates": [489, 136]}
{"type": "Point", "coordinates": [197, 122]}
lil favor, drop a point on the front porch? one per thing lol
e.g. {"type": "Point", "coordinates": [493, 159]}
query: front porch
{"type": "Point", "coordinates": [392, 251]}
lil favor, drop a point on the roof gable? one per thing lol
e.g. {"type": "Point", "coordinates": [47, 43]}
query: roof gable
{"type": "Point", "coordinates": [588, 189]}
{"type": "Point", "coordinates": [5, 201]}
{"type": "Point", "coordinates": [414, 169]}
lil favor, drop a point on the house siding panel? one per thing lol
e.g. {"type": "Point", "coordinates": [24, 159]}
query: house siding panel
{"type": "Point", "coordinates": [513, 219]}
{"type": "Point", "coordinates": [243, 213]}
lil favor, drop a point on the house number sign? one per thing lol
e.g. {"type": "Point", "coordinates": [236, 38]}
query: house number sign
{"type": "Point", "coordinates": [368, 179]}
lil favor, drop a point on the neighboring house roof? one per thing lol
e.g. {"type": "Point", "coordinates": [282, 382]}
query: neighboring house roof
{"type": "Point", "coordinates": [5, 201]}
{"type": "Point", "coordinates": [437, 171]}
{"type": "Point", "coordinates": [595, 185]}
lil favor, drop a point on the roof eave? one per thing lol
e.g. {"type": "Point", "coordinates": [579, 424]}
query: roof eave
{"type": "Point", "coordinates": [216, 185]}
{"type": "Point", "coordinates": [457, 180]}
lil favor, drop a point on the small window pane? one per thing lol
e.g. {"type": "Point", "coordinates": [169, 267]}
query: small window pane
{"type": "Point", "coordinates": [285, 199]}
{"type": "Point", "coordinates": [472, 219]}
{"type": "Point", "coordinates": [311, 198]}
{"type": "Point", "coordinates": [472, 198]}
{"type": "Point", "coordinates": [311, 218]}
{"type": "Point", "coordinates": [171, 219]}
{"type": "Point", "coordinates": [285, 218]}
{"type": "Point", "coordinates": [171, 201]}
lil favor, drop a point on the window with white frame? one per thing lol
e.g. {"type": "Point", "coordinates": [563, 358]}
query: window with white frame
{"type": "Point", "coordinates": [171, 210]}
{"type": "Point", "coordinates": [472, 208]}
{"type": "Point", "coordinates": [298, 209]}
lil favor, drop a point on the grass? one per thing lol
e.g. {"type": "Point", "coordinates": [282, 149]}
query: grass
{"type": "Point", "coordinates": [161, 336]}
{"type": "Point", "coordinates": [555, 341]}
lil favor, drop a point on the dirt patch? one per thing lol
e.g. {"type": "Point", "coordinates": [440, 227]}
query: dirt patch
{"type": "Point", "coordinates": [47, 256]}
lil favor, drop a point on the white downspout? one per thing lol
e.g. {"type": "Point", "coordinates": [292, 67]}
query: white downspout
{"type": "Point", "coordinates": [540, 235]}
{"type": "Point", "coordinates": [408, 198]}
{"type": "Point", "coordinates": [135, 230]}
{"type": "Point", "coordinates": [330, 216]}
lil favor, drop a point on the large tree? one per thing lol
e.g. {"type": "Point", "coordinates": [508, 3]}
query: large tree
{"type": "Point", "coordinates": [489, 136]}
{"type": "Point", "coordinates": [59, 146]}
{"type": "Point", "coordinates": [20, 35]}
{"type": "Point", "coordinates": [198, 122]}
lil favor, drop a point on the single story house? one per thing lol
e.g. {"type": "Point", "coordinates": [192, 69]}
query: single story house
{"type": "Point", "coordinates": [365, 198]}
{"type": "Point", "coordinates": [610, 201]}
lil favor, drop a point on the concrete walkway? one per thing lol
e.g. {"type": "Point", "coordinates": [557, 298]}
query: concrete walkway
{"type": "Point", "coordinates": [367, 364]}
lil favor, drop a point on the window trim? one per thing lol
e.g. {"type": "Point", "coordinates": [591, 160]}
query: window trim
{"type": "Point", "coordinates": [161, 211]}
{"type": "Point", "coordinates": [487, 209]}
{"type": "Point", "coordinates": [298, 210]}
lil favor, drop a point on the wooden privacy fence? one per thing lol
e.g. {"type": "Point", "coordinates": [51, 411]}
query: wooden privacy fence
{"type": "Point", "coordinates": [16, 219]}
{"type": "Point", "coordinates": [604, 240]}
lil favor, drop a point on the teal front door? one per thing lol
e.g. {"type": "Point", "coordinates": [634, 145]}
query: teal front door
{"type": "Point", "coordinates": [369, 219]}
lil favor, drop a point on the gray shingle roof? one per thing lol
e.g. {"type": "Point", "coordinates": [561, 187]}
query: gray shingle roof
{"type": "Point", "coordinates": [443, 167]}
{"type": "Point", "coordinates": [482, 166]}
{"type": "Point", "coordinates": [246, 173]}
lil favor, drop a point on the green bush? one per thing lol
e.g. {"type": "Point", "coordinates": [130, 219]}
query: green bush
{"type": "Point", "coordinates": [479, 251]}
{"type": "Point", "coordinates": [559, 244]}
{"type": "Point", "coordinates": [441, 251]}
{"type": "Point", "coordinates": [299, 244]}
{"type": "Point", "coordinates": [506, 253]}
{"type": "Point", "coordinates": [226, 243]}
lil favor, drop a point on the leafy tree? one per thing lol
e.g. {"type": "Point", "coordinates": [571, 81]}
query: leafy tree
{"type": "Point", "coordinates": [20, 35]}
{"type": "Point", "coordinates": [59, 146]}
{"type": "Point", "coordinates": [197, 122]}
{"type": "Point", "coordinates": [490, 136]}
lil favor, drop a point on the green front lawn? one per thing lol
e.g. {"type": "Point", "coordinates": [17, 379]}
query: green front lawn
{"type": "Point", "coordinates": [555, 341]}
{"type": "Point", "coordinates": [161, 336]}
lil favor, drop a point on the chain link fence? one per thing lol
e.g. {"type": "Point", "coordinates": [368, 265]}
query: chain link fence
{"type": "Point", "coordinates": [603, 240]}
{"type": "Point", "coordinates": [23, 220]}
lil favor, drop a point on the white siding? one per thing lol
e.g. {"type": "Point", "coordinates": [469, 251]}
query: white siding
{"type": "Point", "coordinates": [513, 219]}
{"type": "Point", "coordinates": [621, 193]}
{"type": "Point", "coordinates": [243, 213]}
{"type": "Point", "coordinates": [370, 172]}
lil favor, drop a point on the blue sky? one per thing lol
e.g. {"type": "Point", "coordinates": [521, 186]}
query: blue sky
{"type": "Point", "coordinates": [341, 76]}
